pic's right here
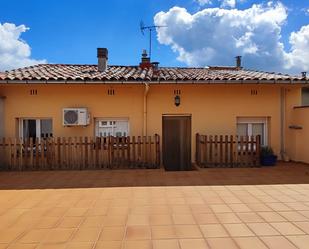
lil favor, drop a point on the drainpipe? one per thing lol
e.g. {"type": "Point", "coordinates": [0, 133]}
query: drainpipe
{"type": "Point", "coordinates": [282, 123]}
{"type": "Point", "coordinates": [145, 109]}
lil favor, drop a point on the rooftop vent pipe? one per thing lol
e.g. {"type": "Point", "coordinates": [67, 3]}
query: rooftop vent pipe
{"type": "Point", "coordinates": [102, 54]}
{"type": "Point", "coordinates": [304, 74]}
{"type": "Point", "coordinates": [238, 61]}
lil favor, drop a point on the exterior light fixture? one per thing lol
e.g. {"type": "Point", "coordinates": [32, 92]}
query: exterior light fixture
{"type": "Point", "coordinates": [177, 100]}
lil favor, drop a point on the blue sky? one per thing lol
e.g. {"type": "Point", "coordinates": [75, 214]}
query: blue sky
{"type": "Point", "coordinates": [70, 31]}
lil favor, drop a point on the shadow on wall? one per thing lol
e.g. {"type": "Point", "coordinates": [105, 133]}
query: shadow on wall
{"type": "Point", "coordinates": [284, 173]}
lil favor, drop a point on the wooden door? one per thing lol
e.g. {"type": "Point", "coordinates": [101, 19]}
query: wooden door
{"type": "Point", "coordinates": [177, 142]}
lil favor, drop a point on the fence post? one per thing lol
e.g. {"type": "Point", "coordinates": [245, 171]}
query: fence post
{"type": "Point", "coordinates": [197, 149]}
{"type": "Point", "coordinates": [232, 150]}
{"type": "Point", "coordinates": [258, 149]}
{"type": "Point", "coordinates": [158, 154]}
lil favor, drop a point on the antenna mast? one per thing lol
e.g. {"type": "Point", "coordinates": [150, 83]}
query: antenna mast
{"type": "Point", "coordinates": [150, 29]}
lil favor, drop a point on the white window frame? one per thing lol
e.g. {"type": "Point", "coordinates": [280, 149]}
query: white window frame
{"type": "Point", "coordinates": [37, 126]}
{"type": "Point", "coordinates": [255, 120]}
{"type": "Point", "coordinates": [97, 120]}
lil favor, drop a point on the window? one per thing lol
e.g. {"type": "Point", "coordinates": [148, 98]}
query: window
{"type": "Point", "coordinates": [35, 128]}
{"type": "Point", "coordinates": [112, 127]}
{"type": "Point", "coordinates": [305, 96]}
{"type": "Point", "coordinates": [253, 127]}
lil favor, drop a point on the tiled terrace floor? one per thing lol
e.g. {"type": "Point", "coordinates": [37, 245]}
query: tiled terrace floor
{"type": "Point", "coordinates": [137, 209]}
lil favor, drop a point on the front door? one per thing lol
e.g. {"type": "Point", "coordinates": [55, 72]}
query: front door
{"type": "Point", "coordinates": [177, 142]}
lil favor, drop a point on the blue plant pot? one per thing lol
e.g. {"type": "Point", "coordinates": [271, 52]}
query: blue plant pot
{"type": "Point", "coordinates": [270, 160]}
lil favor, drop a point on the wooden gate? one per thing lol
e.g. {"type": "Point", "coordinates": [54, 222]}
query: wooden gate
{"type": "Point", "coordinates": [176, 142]}
{"type": "Point", "coordinates": [227, 151]}
{"type": "Point", "coordinates": [80, 153]}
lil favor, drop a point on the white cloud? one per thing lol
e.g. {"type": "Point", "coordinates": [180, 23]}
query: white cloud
{"type": "Point", "coordinates": [14, 52]}
{"type": "Point", "coordinates": [214, 36]}
{"type": "Point", "coordinates": [299, 54]}
{"type": "Point", "coordinates": [229, 3]}
{"type": "Point", "coordinates": [224, 3]}
{"type": "Point", "coordinates": [204, 2]}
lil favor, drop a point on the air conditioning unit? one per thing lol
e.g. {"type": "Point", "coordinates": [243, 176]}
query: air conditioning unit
{"type": "Point", "coordinates": [76, 117]}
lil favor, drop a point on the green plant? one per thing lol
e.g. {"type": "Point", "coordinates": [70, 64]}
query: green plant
{"type": "Point", "coordinates": [266, 151]}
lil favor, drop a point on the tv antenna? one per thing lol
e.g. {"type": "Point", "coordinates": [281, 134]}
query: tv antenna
{"type": "Point", "coordinates": [150, 29]}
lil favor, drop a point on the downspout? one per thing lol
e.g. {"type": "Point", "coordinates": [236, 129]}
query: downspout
{"type": "Point", "coordinates": [145, 109]}
{"type": "Point", "coordinates": [282, 123]}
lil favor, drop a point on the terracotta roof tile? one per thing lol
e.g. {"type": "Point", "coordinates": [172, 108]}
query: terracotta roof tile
{"type": "Point", "coordinates": [67, 72]}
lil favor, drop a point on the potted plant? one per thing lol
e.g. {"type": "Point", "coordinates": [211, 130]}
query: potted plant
{"type": "Point", "coordinates": [267, 156]}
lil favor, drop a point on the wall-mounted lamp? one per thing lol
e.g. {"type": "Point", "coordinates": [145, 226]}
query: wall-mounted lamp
{"type": "Point", "coordinates": [177, 100]}
{"type": "Point", "coordinates": [296, 127]}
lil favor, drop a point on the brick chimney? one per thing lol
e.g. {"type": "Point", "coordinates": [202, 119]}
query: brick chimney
{"type": "Point", "coordinates": [145, 63]}
{"type": "Point", "coordinates": [102, 54]}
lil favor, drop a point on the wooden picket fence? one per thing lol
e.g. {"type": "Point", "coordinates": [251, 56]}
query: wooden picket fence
{"type": "Point", "coordinates": [227, 151]}
{"type": "Point", "coordinates": [80, 153]}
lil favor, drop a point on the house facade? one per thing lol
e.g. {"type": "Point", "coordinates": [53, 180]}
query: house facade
{"type": "Point", "coordinates": [148, 100]}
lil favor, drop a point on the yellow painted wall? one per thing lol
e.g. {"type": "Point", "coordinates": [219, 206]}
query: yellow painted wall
{"type": "Point", "coordinates": [214, 108]}
{"type": "Point", "coordinates": [300, 137]}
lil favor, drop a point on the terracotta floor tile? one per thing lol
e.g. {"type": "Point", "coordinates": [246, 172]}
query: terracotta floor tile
{"type": "Point", "coordinates": [47, 222]}
{"type": "Point", "coordinates": [70, 222]}
{"type": "Point", "coordinates": [102, 210]}
{"type": "Point", "coordinates": [262, 229]}
{"type": "Point", "coordinates": [276, 206]}
{"type": "Point", "coordinates": [138, 244]}
{"type": "Point", "coordinates": [52, 246]}
{"type": "Point", "coordinates": [59, 235]}
{"type": "Point", "coordinates": [220, 208]}
{"type": "Point", "coordinates": [205, 218]}
{"type": "Point", "coordinates": [72, 212]}
{"type": "Point", "coordinates": [81, 245]}
{"type": "Point", "coordinates": [86, 235]}
{"type": "Point", "coordinates": [115, 220]}
{"type": "Point", "coordinates": [34, 236]}
{"type": "Point", "coordinates": [160, 219]}
{"type": "Point", "coordinates": [292, 216]}
{"type": "Point", "coordinates": [259, 207]}
{"type": "Point", "coordinates": [188, 231]}
{"type": "Point", "coordinates": [160, 209]}
{"type": "Point", "coordinates": [250, 242]}
{"type": "Point", "coordinates": [183, 219]}
{"type": "Point", "coordinates": [138, 220]}
{"type": "Point", "coordinates": [275, 242]}
{"type": "Point", "coordinates": [9, 235]}
{"type": "Point", "coordinates": [238, 230]}
{"type": "Point", "coordinates": [250, 217]}
{"type": "Point", "coordinates": [271, 216]}
{"type": "Point", "coordinates": [228, 218]}
{"type": "Point", "coordinates": [301, 241]}
{"type": "Point", "coordinates": [200, 208]}
{"type": "Point", "coordinates": [180, 209]}
{"type": "Point", "coordinates": [193, 244]}
{"type": "Point", "coordinates": [213, 230]}
{"type": "Point", "coordinates": [21, 246]}
{"type": "Point", "coordinates": [138, 233]}
{"type": "Point", "coordinates": [221, 243]}
{"type": "Point", "coordinates": [163, 232]}
{"type": "Point", "coordinates": [108, 245]}
{"type": "Point", "coordinates": [304, 226]}
{"type": "Point", "coordinates": [93, 221]}
{"type": "Point", "coordinates": [239, 207]}
{"type": "Point", "coordinates": [287, 228]}
{"type": "Point", "coordinates": [112, 233]}
{"type": "Point", "coordinates": [165, 244]}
